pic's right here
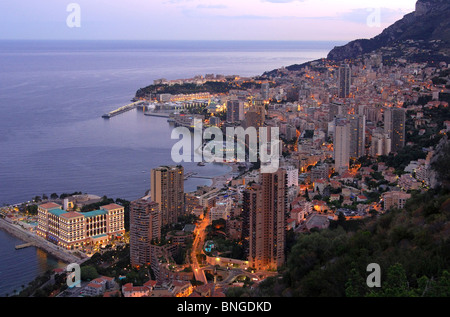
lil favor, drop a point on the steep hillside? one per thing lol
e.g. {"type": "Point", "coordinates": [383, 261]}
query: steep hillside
{"type": "Point", "coordinates": [427, 28]}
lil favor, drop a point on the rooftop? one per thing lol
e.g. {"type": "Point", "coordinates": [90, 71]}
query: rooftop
{"type": "Point", "coordinates": [50, 206]}
{"type": "Point", "coordinates": [95, 213]}
{"type": "Point", "coordinates": [112, 207]}
{"type": "Point", "coordinates": [57, 211]}
{"type": "Point", "coordinates": [72, 214]}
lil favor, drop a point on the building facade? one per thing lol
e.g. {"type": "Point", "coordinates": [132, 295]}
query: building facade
{"type": "Point", "coordinates": [145, 227]}
{"type": "Point", "coordinates": [265, 221]}
{"type": "Point", "coordinates": [71, 229]}
{"type": "Point", "coordinates": [394, 126]}
{"type": "Point", "coordinates": [357, 135]}
{"type": "Point", "coordinates": [167, 189]}
{"type": "Point", "coordinates": [341, 145]}
{"type": "Point", "coordinates": [344, 78]}
{"type": "Point", "coordinates": [395, 199]}
{"type": "Point", "coordinates": [235, 111]}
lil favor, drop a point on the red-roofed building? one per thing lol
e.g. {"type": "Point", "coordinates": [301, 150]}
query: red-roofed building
{"type": "Point", "coordinates": [50, 206]}
{"type": "Point", "coordinates": [320, 205]}
{"type": "Point", "coordinates": [115, 293]}
{"type": "Point", "coordinates": [290, 223]}
{"type": "Point", "coordinates": [93, 289]}
{"type": "Point", "coordinates": [128, 290]}
{"type": "Point", "coordinates": [361, 198]}
{"type": "Point", "coordinates": [112, 207]}
{"type": "Point", "coordinates": [335, 197]}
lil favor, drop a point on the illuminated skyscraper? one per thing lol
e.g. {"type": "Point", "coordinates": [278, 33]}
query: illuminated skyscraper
{"type": "Point", "coordinates": [357, 135]}
{"type": "Point", "coordinates": [265, 89]}
{"type": "Point", "coordinates": [265, 221]}
{"type": "Point", "coordinates": [394, 126]}
{"type": "Point", "coordinates": [344, 81]}
{"type": "Point", "coordinates": [341, 145]}
{"type": "Point", "coordinates": [235, 111]}
{"type": "Point", "coordinates": [145, 227]}
{"type": "Point", "coordinates": [167, 189]}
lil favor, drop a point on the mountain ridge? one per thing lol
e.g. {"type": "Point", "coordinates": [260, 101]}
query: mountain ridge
{"type": "Point", "coordinates": [429, 22]}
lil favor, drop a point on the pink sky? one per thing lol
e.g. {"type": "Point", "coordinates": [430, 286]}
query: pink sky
{"type": "Point", "coordinates": [203, 20]}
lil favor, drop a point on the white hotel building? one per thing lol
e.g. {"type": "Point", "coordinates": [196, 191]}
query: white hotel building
{"type": "Point", "coordinates": [71, 229]}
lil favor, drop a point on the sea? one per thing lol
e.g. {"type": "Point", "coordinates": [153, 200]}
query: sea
{"type": "Point", "coordinates": [54, 140]}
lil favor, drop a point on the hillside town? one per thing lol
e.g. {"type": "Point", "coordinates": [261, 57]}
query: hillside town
{"type": "Point", "coordinates": [358, 140]}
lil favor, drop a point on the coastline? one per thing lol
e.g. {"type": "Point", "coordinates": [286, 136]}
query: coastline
{"type": "Point", "coordinates": [220, 181]}
{"type": "Point", "coordinates": [38, 242]}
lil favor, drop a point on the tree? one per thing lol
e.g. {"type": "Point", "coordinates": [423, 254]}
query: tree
{"type": "Point", "coordinates": [32, 209]}
{"type": "Point", "coordinates": [88, 273]}
{"type": "Point", "coordinates": [396, 284]}
{"type": "Point", "coordinates": [306, 195]}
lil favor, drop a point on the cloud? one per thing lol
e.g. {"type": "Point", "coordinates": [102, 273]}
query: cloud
{"type": "Point", "coordinates": [282, 1]}
{"type": "Point", "coordinates": [204, 6]}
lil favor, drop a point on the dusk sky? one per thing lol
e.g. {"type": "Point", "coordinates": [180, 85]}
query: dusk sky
{"type": "Point", "coordinates": [201, 19]}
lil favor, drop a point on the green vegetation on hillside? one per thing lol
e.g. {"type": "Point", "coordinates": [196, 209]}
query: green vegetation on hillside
{"type": "Point", "coordinates": [188, 88]}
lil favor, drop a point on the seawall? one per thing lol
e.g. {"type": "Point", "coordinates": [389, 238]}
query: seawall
{"type": "Point", "coordinates": [44, 245]}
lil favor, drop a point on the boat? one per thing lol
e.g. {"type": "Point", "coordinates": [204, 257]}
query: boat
{"type": "Point", "coordinates": [106, 116]}
{"type": "Point", "coordinates": [201, 164]}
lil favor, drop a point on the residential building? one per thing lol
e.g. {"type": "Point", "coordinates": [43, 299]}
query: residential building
{"type": "Point", "coordinates": [167, 189]}
{"type": "Point", "coordinates": [357, 135]}
{"type": "Point", "coordinates": [394, 126]}
{"type": "Point", "coordinates": [235, 111]}
{"type": "Point", "coordinates": [395, 199]}
{"type": "Point", "coordinates": [291, 176]}
{"type": "Point", "coordinates": [344, 81]}
{"type": "Point", "coordinates": [265, 219]}
{"type": "Point", "coordinates": [265, 89]}
{"type": "Point", "coordinates": [341, 145]}
{"type": "Point", "coordinates": [381, 144]}
{"type": "Point", "coordinates": [145, 228]}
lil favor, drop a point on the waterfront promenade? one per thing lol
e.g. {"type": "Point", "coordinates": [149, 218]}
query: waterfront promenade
{"type": "Point", "coordinates": [29, 237]}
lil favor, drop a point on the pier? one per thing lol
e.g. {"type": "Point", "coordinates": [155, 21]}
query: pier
{"type": "Point", "coordinates": [203, 177]}
{"type": "Point", "coordinates": [23, 246]}
{"type": "Point", "coordinates": [194, 175]}
{"type": "Point", "coordinates": [123, 109]}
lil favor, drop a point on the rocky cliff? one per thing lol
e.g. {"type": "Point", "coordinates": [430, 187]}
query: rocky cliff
{"type": "Point", "coordinates": [429, 22]}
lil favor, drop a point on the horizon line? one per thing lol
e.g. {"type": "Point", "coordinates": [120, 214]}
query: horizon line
{"type": "Point", "coordinates": [171, 40]}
